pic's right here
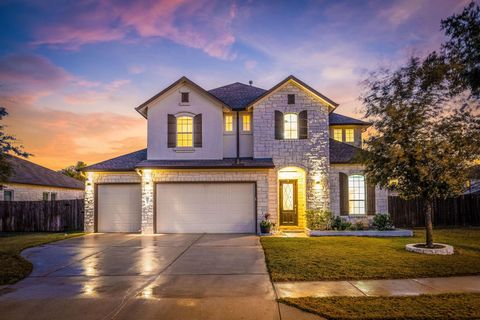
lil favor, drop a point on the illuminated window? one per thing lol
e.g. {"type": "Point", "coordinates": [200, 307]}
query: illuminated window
{"type": "Point", "coordinates": [337, 134]}
{"type": "Point", "coordinates": [246, 123]}
{"type": "Point", "coordinates": [290, 126]}
{"type": "Point", "coordinates": [349, 135]}
{"type": "Point", "coordinates": [356, 194]}
{"type": "Point", "coordinates": [184, 132]}
{"type": "Point", "coordinates": [228, 123]}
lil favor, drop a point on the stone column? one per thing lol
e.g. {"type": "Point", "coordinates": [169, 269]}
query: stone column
{"type": "Point", "coordinates": [89, 210]}
{"type": "Point", "coordinates": [147, 202]}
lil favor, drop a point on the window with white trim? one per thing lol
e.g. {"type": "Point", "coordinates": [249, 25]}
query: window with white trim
{"type": "Point", "coordinates": [184, 131]}
{"type": "Point", "coordinates": [290, 126]}
{"type": "Point", "coordinates": [337, 134]}
{"type": "Point", "coordinates": [356, 194]}
{"type": "Point", "coordinates": [228, 123]}
{"type": "Point", "coordinates": [349, 135]}
{"type": "Point", "coordinates": [8, 195]}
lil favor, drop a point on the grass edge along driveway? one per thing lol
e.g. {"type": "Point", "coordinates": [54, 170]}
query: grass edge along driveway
{"type": "Point", "coordinates": [356, 258]}
{"type": "Point", "coordinates": [441, 306]}
{"type": "Point", "coordinates": [14, 267]}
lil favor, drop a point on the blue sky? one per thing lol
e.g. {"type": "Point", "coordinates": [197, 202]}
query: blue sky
{"type": "Point", "coordinates": [71, 72]}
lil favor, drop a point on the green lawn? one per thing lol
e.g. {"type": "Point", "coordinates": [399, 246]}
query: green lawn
{"type": "Point", "coordinates": [442, 306]}
{"type": "Point", "coordinates": [12, 266]}
{"type": "Point", "coordinates": [350, 258]}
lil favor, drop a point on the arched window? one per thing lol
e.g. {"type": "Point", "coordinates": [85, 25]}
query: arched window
{"type": "Point", "coordinates": [290, 125]}
{"type": "Point", "coordinates": [356, 194]}
{"type": "Point", "coordinates": [184, 131]}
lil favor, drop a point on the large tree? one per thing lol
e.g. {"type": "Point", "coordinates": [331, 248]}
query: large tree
{"type": "Point", "coordinates": [8, 145]}
{"type": "Point", "coordinates": [424, 114]}
{"type": "Point", "coordinates": [75, 171]}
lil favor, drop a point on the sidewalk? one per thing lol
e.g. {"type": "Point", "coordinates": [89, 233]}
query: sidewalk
{"type": "Point", "coordinates": [393, 287]}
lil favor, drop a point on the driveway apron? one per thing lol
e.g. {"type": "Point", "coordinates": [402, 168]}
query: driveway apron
{"type": "Point", "coordinates": [131, 276]}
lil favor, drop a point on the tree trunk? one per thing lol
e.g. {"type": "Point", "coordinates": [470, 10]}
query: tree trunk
{"type": "Point", "coordinates": [428, 223]}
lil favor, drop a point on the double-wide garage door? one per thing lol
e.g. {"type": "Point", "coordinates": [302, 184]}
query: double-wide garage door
{"type": "Point", "coordinates": [205, 207]}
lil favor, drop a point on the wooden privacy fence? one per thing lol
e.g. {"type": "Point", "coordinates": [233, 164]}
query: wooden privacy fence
{"type": "Point", "coordinates": [60, 215]}
{"type": "Point", "coordinates": [460, 211]}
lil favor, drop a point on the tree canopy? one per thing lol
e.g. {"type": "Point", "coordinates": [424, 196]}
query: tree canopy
{"type": "Point", "coordinates": [74, 171]}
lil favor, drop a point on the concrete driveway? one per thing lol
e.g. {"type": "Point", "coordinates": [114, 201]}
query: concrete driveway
{"type": "Point", "coordinates": [130, 276]}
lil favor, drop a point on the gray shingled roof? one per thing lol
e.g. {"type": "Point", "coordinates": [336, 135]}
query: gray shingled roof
{"type": "Point", "coordinates": [207, 164]}
{"type": "Point", "coordinates": [335, 118]}
{"type": "Point", "coordinates": [127, 162]}
{"type": "Point", "coordinates": [26, 172]}
{"type": "Point", "coordinates": [237, 95]}
{"type": "Point", "coordinates": [341, 152]}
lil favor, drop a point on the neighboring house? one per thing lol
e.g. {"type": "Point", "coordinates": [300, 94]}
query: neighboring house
{"type": "Point", "coordinates": [218, 160]}
{"type": "Point", "coordinates": [473, 185]}
{"type": "Point", "coordinates": [31, 182]}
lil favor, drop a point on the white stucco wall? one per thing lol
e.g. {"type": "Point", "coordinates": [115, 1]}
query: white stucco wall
{"type": "Point", "coordinates": [212, 125]}
{"type": "Point", "coordinates": [230, 138]}
{"type": "Point", "coordinates": [28, 192]}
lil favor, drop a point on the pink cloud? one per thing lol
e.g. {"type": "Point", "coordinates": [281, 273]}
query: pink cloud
{"type": "Point", "coordinates": [204, 25]}
{"type": "Point", "coordinates": [29, 76]}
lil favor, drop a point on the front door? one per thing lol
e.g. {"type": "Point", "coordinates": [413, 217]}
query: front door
{"type": "Point", "coordinates": [288, 202]}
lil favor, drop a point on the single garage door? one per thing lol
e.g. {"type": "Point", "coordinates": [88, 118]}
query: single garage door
{"type": "Point", "coordinates": [206, 207]}
{"type": "Point", "coordinates": [119, 207]}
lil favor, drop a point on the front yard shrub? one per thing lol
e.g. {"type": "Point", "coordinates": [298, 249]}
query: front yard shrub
{"type": "Point", "coordinates": [382, 222]}
{"type": "Point", "coordinates": [318, 219]}
{"type": "Point", "coordinates": [359, 225]}
{"type": "Point", "coordinates": [340, 223]}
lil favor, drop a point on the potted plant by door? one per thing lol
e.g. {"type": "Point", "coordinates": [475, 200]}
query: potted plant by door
{"type": "Point", "coordinates": [266, 224]}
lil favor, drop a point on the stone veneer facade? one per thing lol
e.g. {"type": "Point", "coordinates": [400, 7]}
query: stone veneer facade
{"type": "Point", "coordinates": [265, 180]}
{"type": "Point", "coordinates": [311, 155]}
{"type": "Point", "coordinates": [29, 192]}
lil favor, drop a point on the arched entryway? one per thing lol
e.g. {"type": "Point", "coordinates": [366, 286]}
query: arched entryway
{"type": "Point", "coordinates": [291, 197]}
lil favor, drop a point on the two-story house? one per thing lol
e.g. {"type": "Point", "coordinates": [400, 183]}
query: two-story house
{"type": "Point", "coordinates": [217, 161]}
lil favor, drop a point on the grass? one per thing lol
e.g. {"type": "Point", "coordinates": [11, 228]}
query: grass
{"type": "Point", "coordinates": [442, 306]}
{"type": "Point", "coordinates": [353, 258]}
{"type": "Point", "coordinates": [12, 266]}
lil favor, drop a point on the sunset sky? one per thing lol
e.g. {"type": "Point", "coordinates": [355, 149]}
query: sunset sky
{"type": "Point", "coordinates": [72, 72]}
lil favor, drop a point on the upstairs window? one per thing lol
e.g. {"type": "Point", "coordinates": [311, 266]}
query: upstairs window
{"type": "Point", "coordinates": [349, 135]}
{"type": "Point", "coordinates": [228, 123]}
{"type": "Point", "coordinates": [184, 131]}
{"type": "Point", "coordinates": [246, 122]}
{"type": "Point", "coordinates": [290, 126]}
{"type": "Point", "coordinates": [337, 134]}
{"type": "Point", "coordinates": [185, 97]}
{"type": "Point", "coordinates": [291, 99]}
{"type": "Point", "coordinates": [356, 194]}
{"type": "Point", "coordinates": [8, 195]}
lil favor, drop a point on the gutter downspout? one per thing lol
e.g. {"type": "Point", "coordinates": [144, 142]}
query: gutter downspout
{"type": "Point", "coordinates": [238, 138]}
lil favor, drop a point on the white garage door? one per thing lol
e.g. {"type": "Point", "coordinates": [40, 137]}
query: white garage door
{"type": "Point", "coordinates": [206, 207]}
{"type": "Point", "coordinates": [119, 207]}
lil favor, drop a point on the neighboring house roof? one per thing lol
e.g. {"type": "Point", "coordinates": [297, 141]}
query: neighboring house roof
{"type": "Point", "coordinates": [126, 162]}
{"type": "Point", "coordinates": [26, 172]}
{"type": "Point", "coordinates": [332, 103]}
{"type": "Point", "coordinates": [237, 95]}
{"type": "Point", "coordinates": [341, 152]}
{"type": "Point", "coordinates": [142, 109]}
{"type": "Point", "coordinates": [207, 164]}
{"type": "Point", "coordinates": [339, 119]}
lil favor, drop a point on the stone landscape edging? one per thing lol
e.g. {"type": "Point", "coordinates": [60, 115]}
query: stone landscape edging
{"type": "Point", "coordinates": [361, 233]}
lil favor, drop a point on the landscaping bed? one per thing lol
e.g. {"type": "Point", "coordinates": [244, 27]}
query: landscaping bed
{"type": "Point", "coordinates": [442, 306]}
{"type": "Point", "coordinates": [13, 267]}
{"type": "Point", "coordinates": [361, 233]}
{"type": "Point", "coordinates": [355, 258]}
